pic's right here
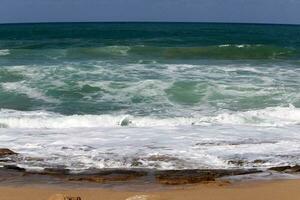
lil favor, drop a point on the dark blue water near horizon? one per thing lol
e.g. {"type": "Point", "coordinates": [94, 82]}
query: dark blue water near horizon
{"type": "Point", "coordinates": [196, 33]}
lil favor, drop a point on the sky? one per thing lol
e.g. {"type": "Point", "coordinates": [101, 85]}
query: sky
{"type": "Point", "coordinates": [249, 11]}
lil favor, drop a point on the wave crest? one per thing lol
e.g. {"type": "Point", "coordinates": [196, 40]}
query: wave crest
{"type": "Point", "coordinates": [273, 116]}
{"type": "Point", "coordinates": [4, 52]}
{"type": "Point", "coordinates": [225, 51]}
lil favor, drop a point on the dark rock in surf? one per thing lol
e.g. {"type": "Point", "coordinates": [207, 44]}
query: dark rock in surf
{"type": "Point", "coordinates": [286, 169]}
{"type": "Point", "coordinates": [136, 163]}
{"type": "Point", "coordinates": [258, 161]}
{"type": "Point", "coordinates": [175, 177]}
{"type": "Point", "coordinates": [14, 167]}
{"type": "Point", "coordinates": [295, 168]}
{"type": "Point", "coordinates": [6, 152]}
{"type": "Point", "coordinates": [56, 171]}
{"type": "Point", "coordinates": [240, 163]}
{"type": "Point", "coordinates": [179, 177]}
{"type": "Point", "coordinates": [280, 168]}
{"type": "Point", "coordinates": [236, 162]}
{"type": "Point", "coordinates": [107, 176]}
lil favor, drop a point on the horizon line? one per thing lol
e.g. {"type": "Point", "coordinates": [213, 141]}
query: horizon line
{"type": "Point", "coordinates": [162, 22]}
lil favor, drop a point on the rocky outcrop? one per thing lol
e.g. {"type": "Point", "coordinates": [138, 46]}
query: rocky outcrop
{"type": "Point", "coordinates": [241, 163]}
{"type": "Point", "coordinates": [286, 169]}
{"type": "Point", "coordinates": [56, 171]}
{"type": "Point", "coordinates": [106, 176]}
{"type": "Point", "coordinates": [6, 152]}
{"type": "Point", "coordinates": [295, 169]}
{"type": "Point", "coordinates": [178, 177]}
{"type": "Point", "coordinates": [14, 167]}
{"type": "Point", "coordinates": [280, 168]}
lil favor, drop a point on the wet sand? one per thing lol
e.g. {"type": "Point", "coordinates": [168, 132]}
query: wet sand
{"type": "Point", "coordinates": [271, 190]}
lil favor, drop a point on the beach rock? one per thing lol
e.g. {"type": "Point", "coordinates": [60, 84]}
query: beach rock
{"type": "Point", "coordinates": [280, 168]}
{"type": "Point", "coordinates": [63, 197]}
{"type": "Point", "coordinates": [295, 168]}
{"type": "Point", "coordinates": [179, 177]}
{"type": "Point", "coordinates": [14, 167]}
{"type": "Point", "coordinates": [136, 163]}
{"type": "Point", "coordinates": [241, 163]}
{"type": "Point", "coordinates": [258, 161]}
{"type": "Point", "coordinates": [56, 171]}
{"type": "Point", "coordinates": [6, 152]}
{"type": "Point", "coordinates": [236, 162]}
{"type": "Point", "coordinates": [287, 169]}
{"type": "Point", "coordinates": [109, 176]}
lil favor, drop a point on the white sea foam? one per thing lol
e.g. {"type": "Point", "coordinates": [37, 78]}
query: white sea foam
{"type": "Point", "coordinates": [273, 116]}
{"type": "Point", "coordinates": [111, 50]}
{"type": "Point", "coordinates": [276, 116]}
{"type": "Point", "coordinates": [239, 45]}
{"type": "Point", "coordinates": [224, 45]}
{"type": "Point", "coordinates": [155, 147]}
{"type": "Point", "coordinates": [231, 45]}
{"type": "Point", "coordinates": [21, 88]}
{"type": "Point", "coordinates": [4, 52]}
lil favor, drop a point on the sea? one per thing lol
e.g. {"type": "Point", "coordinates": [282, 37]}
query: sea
{"type": "Point", "coordinates": [150, 95]}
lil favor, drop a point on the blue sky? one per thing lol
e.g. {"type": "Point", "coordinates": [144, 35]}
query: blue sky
{"type": "Point", "coordinates": [257, 11]}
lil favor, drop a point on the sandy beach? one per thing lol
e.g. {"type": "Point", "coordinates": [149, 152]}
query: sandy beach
{"type": "Point", "coordinates": [274, 190]}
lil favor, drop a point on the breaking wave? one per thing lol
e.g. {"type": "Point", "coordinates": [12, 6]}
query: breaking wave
{"type": "Point", "coordinates": [273, 116]}
{"type": "Point", "coordinates": [225, 51]}
{"type": "Point", "coordinates": [4, 52]}
{"type": "Point", "coordinates": [239, 51]}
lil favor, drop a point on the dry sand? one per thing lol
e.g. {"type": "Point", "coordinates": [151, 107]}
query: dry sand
{"type": "Point", "coordinates": [275, 190]}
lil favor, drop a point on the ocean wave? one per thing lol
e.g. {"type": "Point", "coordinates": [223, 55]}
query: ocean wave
{"type": "Point", "coordinates": [273, 116]}
{"type": "Point", "coordinates": [240, 45]}
{"type": "Point", "coordinates": [33, 93]}
{"type": "Point", "coordinates": [242, 51]}
{"type": "Point", "coordinates": [225, 51]}
{"type": "Point", "coordinates": [4, 52]}
{"type": "Point", "coordinates": [94, 52]}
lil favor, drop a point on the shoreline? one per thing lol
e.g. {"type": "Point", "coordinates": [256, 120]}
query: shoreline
{"type": "Point", "coordinates": [258, 190]}
{"type": "Point", "coordinates": [14, 175]}
{"type": "Point", "coordinates": [17, 183]}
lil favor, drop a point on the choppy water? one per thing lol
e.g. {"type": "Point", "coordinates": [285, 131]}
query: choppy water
{"type": "Point", "coordinates": [169, 96]}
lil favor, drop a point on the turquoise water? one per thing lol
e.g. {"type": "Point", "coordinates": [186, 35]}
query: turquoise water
{"type": "Point", "coordinates": [212, 84]}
